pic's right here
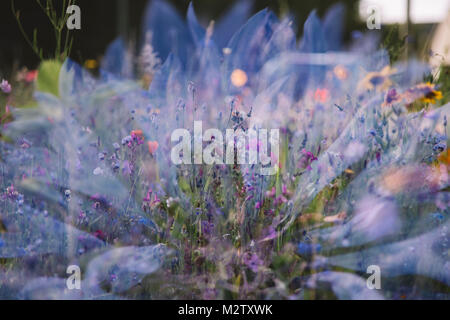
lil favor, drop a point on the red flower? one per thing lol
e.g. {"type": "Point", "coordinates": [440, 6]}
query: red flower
{"type": "Point", "coordinates": [137, 133]}
{"type": "Point", "coordinates": [100, 234]}
{"type": "Point", "coordinates": [31, 76]}
{"type": "Point", "coordinates": [321, 95]}
{"type": "Point", "coordinates": [152, 147]}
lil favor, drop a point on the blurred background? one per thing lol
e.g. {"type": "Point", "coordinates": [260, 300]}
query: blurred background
{"type": "Point", "coordinates": [103, 20]}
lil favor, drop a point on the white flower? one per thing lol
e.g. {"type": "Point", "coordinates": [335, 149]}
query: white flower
{"type": "Point", "coordinates": [98, 171]}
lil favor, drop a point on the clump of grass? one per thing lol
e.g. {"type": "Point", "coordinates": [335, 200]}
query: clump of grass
{"type": "Point", "coordinates": [58, 20]}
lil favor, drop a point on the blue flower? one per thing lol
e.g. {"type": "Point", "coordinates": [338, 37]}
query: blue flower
{"type": "Point", "coordinates": [307, 249]}
{"type": "Point", "coordinates": [437, 216]}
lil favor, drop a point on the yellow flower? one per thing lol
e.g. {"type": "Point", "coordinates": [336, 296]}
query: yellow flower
{"type": "Point", "coordinates": [432, 96]}
{"type": "Point", "coordinates": [91, 64]}
{"type": "Point", "coordinates": [444, 158]}
{"type": "Point", "coordinates": [424, 92]}
{"type": "Point", "coordinates": [377, 79]}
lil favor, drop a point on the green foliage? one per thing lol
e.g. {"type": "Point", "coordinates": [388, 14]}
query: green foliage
{"type": "Point", "coordinates": [394, 44]}
{"type": "Point", "coordinates": [443, 84]}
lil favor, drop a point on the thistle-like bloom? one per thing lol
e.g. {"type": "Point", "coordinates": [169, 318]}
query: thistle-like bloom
{"type": "Point", "coordinates": [149, 61]}
{"type": "Point", "coordinates": [137, 136]}
{"type": "Point", "coordinates": [392, 96]}
{"type": "Point", "coordinates": [5, 86]}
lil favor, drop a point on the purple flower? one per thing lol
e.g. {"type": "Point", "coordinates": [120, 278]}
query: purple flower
{"type": "Point", "coordinates": [126, 170]}
{"type": "Point", "coordinates": [252, 261]}
{"type": "Point", "coordinates": [210, 294]}
{"type": "Point", "coordinates": [5, 86]}
{"type": "Point", "coordinates": [280, 200]}
{"type": "Point", "coordinates": [207, 227]}
{"type": "Point", "coordinates": [271, 233]}
{"type": "Point", "coordinates": [306, 159]}
{"type": "Point", "coordinates": [391, 97]}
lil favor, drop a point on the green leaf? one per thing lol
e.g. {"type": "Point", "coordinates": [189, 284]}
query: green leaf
{"type": "Point", "coordinates": [48, 77]}
{"type": "Point", "coordinates": [184, 185]}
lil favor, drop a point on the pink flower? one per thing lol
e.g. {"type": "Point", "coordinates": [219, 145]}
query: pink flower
{"type": "Point", "coordinates": [148, 198]}
{"type": "Point", "coordinates": [156, 200]}
{"type": "Point", "coordinates": [11, 192]}
{"type": "Point", "coordinates": [280, 200]}
{"type": "Point", "coordinates": [307, 157]}
{"type": "Point", "coordinates": [271, 193]}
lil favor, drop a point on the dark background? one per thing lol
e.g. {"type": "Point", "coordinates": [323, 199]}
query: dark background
{"type": "Point", "coordinates": [103, 20]}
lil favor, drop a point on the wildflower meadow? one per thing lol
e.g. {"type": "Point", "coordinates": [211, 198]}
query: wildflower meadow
{"type": "Point", "coordinates": [235, 160]}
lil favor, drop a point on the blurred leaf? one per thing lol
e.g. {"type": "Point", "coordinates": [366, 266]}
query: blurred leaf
{"type": "Point", "coordinates": [48, 78]}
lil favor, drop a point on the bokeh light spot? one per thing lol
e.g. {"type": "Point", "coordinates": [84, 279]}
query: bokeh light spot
{"type": "Point", "coordinates": [239, 78]}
